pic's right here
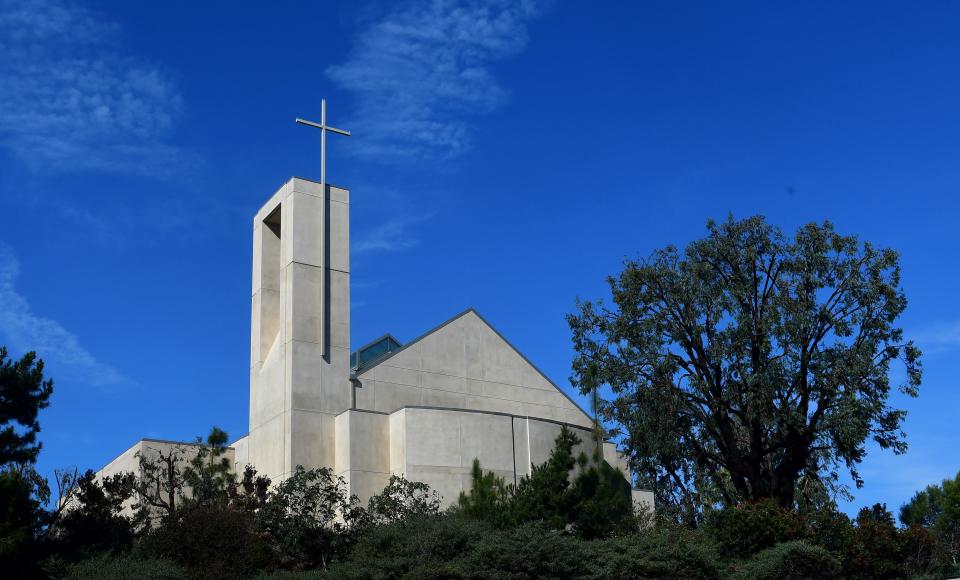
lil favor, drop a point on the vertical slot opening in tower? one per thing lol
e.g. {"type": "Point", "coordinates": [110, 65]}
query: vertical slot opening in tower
{"type": "Point", "coordinates": [271, 282]}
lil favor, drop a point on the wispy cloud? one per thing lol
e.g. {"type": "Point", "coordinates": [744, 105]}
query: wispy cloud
{"type": "Point", "coordinates": [419, 71]}
{"type": "Point", "coordinates": [895, 478]}
{"type": "Point", "coordinates": [72, 98]}
{"type": "Point", "coordinates": [158, 219]}
{"type": "Point", "coordinates": [22, 330]}
{"type": "Point", "coordinates": [940, 337]}
{"type": "Point", "coordinates": [391, 236]}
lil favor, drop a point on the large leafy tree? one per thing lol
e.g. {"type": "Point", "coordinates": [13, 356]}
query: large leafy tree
{"type": "Point", "coordinates": [23, 393]}
{"type": "Point", "coordinates": [750, 361]}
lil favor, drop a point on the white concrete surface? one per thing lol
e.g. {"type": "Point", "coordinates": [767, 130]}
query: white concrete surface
{"type": "Point", "coordinates": [300, 335]}
{"type": "Point", "coordinates": [465, 364]}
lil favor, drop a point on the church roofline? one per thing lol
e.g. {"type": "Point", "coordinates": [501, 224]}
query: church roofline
{"type": "Point", "coordinates": [388, 355]}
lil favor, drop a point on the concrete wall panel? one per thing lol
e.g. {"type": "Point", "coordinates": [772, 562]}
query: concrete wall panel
{"type": "Point", "coordinates": [465, 356]}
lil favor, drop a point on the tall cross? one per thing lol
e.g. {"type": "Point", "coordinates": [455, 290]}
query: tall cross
{"type": "Point", "coordinates": [322, 125]}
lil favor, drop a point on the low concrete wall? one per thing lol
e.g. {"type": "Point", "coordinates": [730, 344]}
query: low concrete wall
{"type": "Point", "coordinates": [129, 462]}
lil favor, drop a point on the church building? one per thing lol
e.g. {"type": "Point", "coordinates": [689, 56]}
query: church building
{"type": "Point", "coordinates": [424, 409]}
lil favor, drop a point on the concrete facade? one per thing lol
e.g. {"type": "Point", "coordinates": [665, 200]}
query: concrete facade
{"type": "Point", "coordinates": [464, 364]}
{"type": "Point", "coordinates": [424, 410]}
{"type": "Point", "coordinates": [300, 328]}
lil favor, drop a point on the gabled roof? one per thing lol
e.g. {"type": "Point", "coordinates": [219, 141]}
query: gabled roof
{"type": "Point", "coordinates": [373, 363]}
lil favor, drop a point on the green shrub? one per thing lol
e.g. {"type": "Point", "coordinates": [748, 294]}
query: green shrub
{"type": "Point", "coordinates": [828, 528]}
{"type": "Point", "coordinates": [288, 575]}
{"type": "Point", "coordinates": [744, 530]}
{"type": "Point", "coordinates": [528, 551]}
{"type": "Point", "coordinates": [300, 517]}
{"type": "Point", "coordinates": [21, 520]}
{"type": "Point", "coordinates": [94, 524]}
{"type": "Point", "coordinates": [212, 543]}
{"type": "Point", "coordinates": [423, 548]}
{"type": "Point", "coordinates": [125, 567]}
{"type": "Point", "coordinates": [874, 548]}
{"type": "Point", "coordinates": [791, 561]}
{"type": "Point", "coordinates": [923, 555]}
{"type": "Point", "coordinates": [602, 504]}
{"type": "Point", "coordinates": [402, 500]}
{"type": "Point", "coordinates": [661, 552]}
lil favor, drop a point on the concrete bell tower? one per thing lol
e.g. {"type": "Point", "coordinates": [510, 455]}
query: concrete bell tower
{"type": "Point", "coordinates": [300, 331]}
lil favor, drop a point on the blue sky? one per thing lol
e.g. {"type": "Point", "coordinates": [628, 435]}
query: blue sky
{"type": "Point", "coordinates": [510, 153]}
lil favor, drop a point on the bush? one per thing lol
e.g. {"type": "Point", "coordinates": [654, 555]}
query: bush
{"type": "Point", "coordinates": [921, 553]}
{"type": "Point", "coordinates": [602, 503]}
{"type": "Point", "coordinates": [21, 520]}
{"type": "Point", "coordinates": [423, 548]}
{"type": "Point", "coordinates": [300, 517]}
{"type": "Point", "coordinates": [528, 551]}
{"type": "Point", "coordinates": [661, 552]}
{"type": "Point", "coordinates": [744, 530]}
{"type": "Point", "coordinates": [596, 501]}
{"type": "Point", "coordinates": [288, 575]}
{"type": "Point", "coordinates": [937, 508]}
{"type": "Point", "coordinates": [791, 561]}
{"type": "Point", "coordinates": [212, 543]}
{"type": "Point", "coordinates": [828, 528]}
{"type": "Point", "coordinates": [94, 523]}
{"type": "Point", "coordinates": [125, 567]}
{"type": "Point", "coordinates": [402, 500]}
{"type": "Point", "coordinates": [874, 548]}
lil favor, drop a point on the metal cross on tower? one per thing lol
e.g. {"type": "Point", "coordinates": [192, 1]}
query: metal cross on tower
{"type": "Point", "coordinates": [325, 270]}
{"type": "Point", "coordinates": [322, 125]}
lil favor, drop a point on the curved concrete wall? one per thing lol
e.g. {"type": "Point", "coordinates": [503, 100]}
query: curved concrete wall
{"type": "Point", "coordinates": [437, 446]}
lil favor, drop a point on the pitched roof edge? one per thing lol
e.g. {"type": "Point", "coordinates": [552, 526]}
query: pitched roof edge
{"type": "Point", "coordinates": [404, 346]}
{"type": "Point", "coordinates": [388, 355]}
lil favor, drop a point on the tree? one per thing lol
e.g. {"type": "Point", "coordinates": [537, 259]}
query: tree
{"type": "Point", "coordinates": [937, 508]}
{"type": "Point", "coordinates": [22, 517]}
{"type": "Point", "coordinates": [92, 520]}
{"type": "Point", "coordinates": [251, 492]}
{"type": "Point", "coordinates": [160, 482]}
{"type": "Point", "coordinates": [874, 549]}
{"type": "Point", "coordinates": [489, 498]}
{"type": "Point", "coordinates": [211, 542]}
{"type": "Point", "coordinates": [601, 501]}
{"type": "Point", "coordinates": [182, 476]}
{"type": "Point", "coordinates": [588, 496]}
{"type": "Point", "coordinates": [209, 474]}
{"type": "Point", "coordinates": [23, 393]}
{"type": "Point", "coordinates": [403, 500]}
{"type": "Point", "coordinates": [307, 516]}
{"type": "Point", "coordinates": [545, 493]}
{"type": "Point", "coordinates": [749, 361]}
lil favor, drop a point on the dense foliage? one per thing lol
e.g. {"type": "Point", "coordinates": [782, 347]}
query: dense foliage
{"type": "Point", "coordinates": [23, 393]}
{"type": "Point", "coordinates": [586, 495]}
{"type": "Point", "coordinates": [750, 365]}
{"type": "Point", "coordinates": [561, 521]}
{"type": "Point", "coordinates": [937, 509]}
